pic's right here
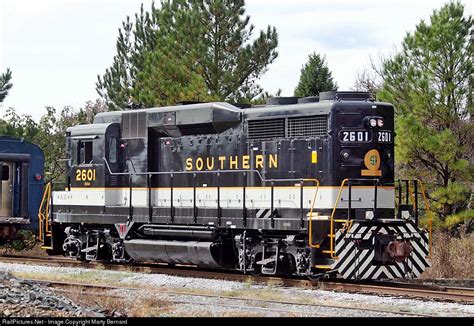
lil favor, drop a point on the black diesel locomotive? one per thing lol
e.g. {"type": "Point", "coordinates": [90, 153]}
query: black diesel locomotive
{"type": "Point", "coordinates": [296, 187]}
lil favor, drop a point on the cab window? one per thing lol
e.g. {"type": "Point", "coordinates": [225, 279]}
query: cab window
{"type": "Point", "coordinates": [84, 152]}
{"type": "Point", "coordinates": [113, 150]}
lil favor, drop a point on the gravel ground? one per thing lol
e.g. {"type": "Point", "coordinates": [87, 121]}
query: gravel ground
{"type": "Point", "coordinates": [28, 299]}
{"type": "Point", "coordinates": [183, 305]}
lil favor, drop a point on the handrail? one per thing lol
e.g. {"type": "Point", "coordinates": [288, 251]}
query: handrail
{"type": "Point", "coordinates": [412, 195]}
{"type": "Point", "coordinates": [44, 206]}
{"type": "Point", "coordinates": [331, 232]}
{"type": "Point", "coordinates": [171, 173]}
{"type": "Point", "coordinates": [310, 231]}
{"type": "Point", "coordinates": [199, 172]}
{"type": "Point", "coordinates": [430, 219]}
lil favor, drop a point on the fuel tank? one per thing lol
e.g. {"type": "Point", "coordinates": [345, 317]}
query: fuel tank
{"type": "Point", "coordinates": [174, 252]}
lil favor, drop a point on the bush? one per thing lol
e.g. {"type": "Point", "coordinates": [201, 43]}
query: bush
{"type": "Point", "coordinates": [24, 240]}
{"type": "Point", "coordinates": [452, 256]}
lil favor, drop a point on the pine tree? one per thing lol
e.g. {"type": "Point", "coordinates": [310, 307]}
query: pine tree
{"type": "Point", "coordinates": [315, 77]}
{"type": "Point", "coordinates": [187, 50]}
{"type": "Point", "coordinates": [5, 84]}
{"type": "Point", "coordinates": [429, 83]}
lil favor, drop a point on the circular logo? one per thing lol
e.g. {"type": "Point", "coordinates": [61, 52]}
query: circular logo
{"type": "Point", "coordinates": [372, 160]}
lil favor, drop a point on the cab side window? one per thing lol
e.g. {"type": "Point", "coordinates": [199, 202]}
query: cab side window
{"type": "Point", "coordinates": [113, 150]}
{"type": "Point", "coordinates": [84, 152]}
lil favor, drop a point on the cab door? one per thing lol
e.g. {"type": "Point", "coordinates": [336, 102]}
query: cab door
{"type": "Point", "coordinates": [7, 173]}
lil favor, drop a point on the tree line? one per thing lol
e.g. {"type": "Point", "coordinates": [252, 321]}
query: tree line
{"type": "Point", "coordinates": [190, 50]}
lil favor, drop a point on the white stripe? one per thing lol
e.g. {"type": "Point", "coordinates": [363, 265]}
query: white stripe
{"type": "Point", "coordinates": [368, 260]}
{"type": "Point", "coordinates": [363, 256]}
{"type": "Point", "coordinates": [395, 271]}
{"type": "Point", "coordinates": [415, 259]}
{"type": "Point", "coordinates": [350, 246]}
{"type": "Point", "coordinates": [206, 197]}
{"type": "Point", "coordinates": [339, 242]}
{"type": "Point", "coordinates": [369, 271]}
{"type": "Point", "coordinates": [379, 271]}
{"type": "Point", "coordinates": [349, 259]}
{"type": "Point", "coordinates": [416, 248]}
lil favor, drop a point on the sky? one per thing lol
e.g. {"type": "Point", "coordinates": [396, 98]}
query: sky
{"type": "Point", "coordinates": [56, 48]}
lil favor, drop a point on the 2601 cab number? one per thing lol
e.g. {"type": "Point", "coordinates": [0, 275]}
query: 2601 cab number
{"type": "Point", "coordinates": [355, 136]}
{"type": "Point", "coordinates": [384, 136]}
{"type": "Point", "coordinates": [87, 176]}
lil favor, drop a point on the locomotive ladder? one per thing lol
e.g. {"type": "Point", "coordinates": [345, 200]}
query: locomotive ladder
{"type": "Point", "coordinates": [45, 232]}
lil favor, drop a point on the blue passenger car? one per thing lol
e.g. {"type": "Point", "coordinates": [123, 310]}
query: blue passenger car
{"type": "Point", "coordinates": [22, 173]}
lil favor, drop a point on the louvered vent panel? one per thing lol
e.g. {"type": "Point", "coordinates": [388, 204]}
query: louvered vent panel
{"type": "Point", "coordinates": [266, 129]}
{"type": "Point", "coordinates": [312, 126]}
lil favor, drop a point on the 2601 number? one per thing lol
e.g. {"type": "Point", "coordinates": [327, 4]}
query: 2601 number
{"type": "Point", "coordinates": [357, 136]}
{"type": "Point", "coordinates": [85, 175]}
{"type": "Point", "coordinates": [384, 137]}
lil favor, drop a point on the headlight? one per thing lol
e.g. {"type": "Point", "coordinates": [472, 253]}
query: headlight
{"type": "Point", "coordinates": [380, 123]}
{"type": "Point", "coordinates": [373, 122]}
{"type": "Point", "coordinates": [345, 154]}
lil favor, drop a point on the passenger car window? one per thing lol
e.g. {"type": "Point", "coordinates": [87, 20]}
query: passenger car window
{"type": "Point", "coordinates": [5, 173]}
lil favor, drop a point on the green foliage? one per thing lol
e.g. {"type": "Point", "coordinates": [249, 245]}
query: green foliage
{"type": "Point", "coordinates": [315, 77]}
{"type": "Point", "coordinates": [5, 84]}
{"type": "Point", "coordinates": [429, 83]}
{"type": "Point", "coordinates": [463, 218]}
{"type": "Point", "coordinates": [24, 240]}
{"type": "Point", "coordinates": [50, 132]}
{"type": "Point", "coordinates": [187, 50]}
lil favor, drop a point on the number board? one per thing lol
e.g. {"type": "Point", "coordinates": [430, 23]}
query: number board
{"type": "Point", "coordinates": [85, 176]}
{"type": "Point", "coordinates": [355, 136]}
{"type": "Point", "coordinates": [384, 136]}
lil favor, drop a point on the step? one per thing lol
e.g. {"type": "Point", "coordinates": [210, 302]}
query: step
{"type": "Point", "coordinates": [323, 266]}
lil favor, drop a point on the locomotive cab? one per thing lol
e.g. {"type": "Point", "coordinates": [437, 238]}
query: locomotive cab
{"type": "Point", "coordinates": [94, 151]}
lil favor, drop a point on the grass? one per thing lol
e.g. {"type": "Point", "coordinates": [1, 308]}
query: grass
{"type": "Point", "coordinates": [36, 251]}
{"type": "Point", "coordinates": [452, 257]}
{"type": "Point", "coordinates": [92, 277]}
{"type": "Point", "coordinates": [122, 306]}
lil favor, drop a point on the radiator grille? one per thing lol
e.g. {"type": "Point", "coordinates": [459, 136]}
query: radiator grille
{"type": "Point", "coordinates": [266, 129]}
{"type": "Point", "coordinates": [312, 126]}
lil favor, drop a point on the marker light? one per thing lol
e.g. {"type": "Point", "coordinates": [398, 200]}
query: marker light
{"type": "Point", "coordinates": [380, 123]}
{"type": "Point", "coordinates": [38, 177]}
{"type": "Point", "coordinates": [373, 122]}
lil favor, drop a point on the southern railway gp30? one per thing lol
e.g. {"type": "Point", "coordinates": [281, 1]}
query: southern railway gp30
{"type": "Point", "coordinates": [295, 187]}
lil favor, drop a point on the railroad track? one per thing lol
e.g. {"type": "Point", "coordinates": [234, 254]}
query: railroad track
{"type": "Point", "coordinates": [402, 289]}
{"type": "Point", "coordinates": [244, 303]}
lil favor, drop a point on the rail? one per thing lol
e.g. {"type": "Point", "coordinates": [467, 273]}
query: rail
{"type": "Point", "coordinates": [331, 228]}
{"type": "Point", "coordinates": [428, 291]}
{"type": "Point", "coordinates": [412, 193]}
{"type": "Point", "coordinates": [310, 231]}
{"type": "Point", "coordinates": [430, 218]}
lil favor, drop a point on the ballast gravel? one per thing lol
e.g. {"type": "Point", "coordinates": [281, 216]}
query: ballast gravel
{"type": "Point", "coordinates": [186, 305]}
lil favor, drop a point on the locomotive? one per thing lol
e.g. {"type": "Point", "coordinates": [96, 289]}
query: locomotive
{"type": "Point", "coordinates": [298, 186]}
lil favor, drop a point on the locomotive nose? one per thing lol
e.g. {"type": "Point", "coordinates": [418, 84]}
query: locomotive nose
{"type": "Point", "coordinates": [398, 250]}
